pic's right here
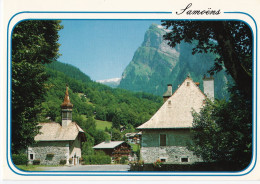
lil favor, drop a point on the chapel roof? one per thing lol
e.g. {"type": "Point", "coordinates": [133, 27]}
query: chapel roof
{"type": "Point", "coordinates": [53, 131]}
{"type": "Point", "coordinates": [176, 112]}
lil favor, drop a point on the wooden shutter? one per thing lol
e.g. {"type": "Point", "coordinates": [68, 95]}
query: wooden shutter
{"type": "Point", "coordinates": [162, 139]}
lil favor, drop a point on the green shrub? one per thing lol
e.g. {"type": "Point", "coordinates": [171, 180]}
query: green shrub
{"type": "Point", "coordinates": [100, 153]}
{"type": "Point", "coordinates": [36, 162]}
{"type": "Point", "coordinates": [20, 159]}
{"type": "Point", "coordinates": [96, 159]}
{"type": "Point", "coordinates": [63, 162]}
{"type": "Point", "coordinates": [123, 159]}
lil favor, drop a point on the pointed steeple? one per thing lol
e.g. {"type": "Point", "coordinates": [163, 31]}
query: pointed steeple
{"type": "Point", "coordinates": [66, 109]}
{"type": "Point", "coordinates": [66, 103]}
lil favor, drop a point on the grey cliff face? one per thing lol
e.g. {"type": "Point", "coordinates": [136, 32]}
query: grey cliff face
{"type": "Point", "coordinates": [155, 64]}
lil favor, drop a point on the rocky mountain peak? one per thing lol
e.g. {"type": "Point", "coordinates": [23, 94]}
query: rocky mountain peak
{"type": "Point", "coordinates": [153, 36]}
{"type": "Point", "coordinates": [155, 64]}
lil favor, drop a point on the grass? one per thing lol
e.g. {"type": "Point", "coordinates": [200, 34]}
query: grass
{"type": "Point", "coordinates": [34, 167]}
{"type": "Point", "coordinates": [86, 99]}
{"type": "Point", "coordinates": [101, 125]}
{"type": "Point", "coordinates": [135, 147]}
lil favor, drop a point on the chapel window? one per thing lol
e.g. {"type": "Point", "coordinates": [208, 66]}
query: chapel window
{"type": "Point", "coordinates": [31, 157]}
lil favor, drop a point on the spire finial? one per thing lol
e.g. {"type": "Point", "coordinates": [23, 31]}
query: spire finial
{"type": "Point", "coordinates": [66, 103]}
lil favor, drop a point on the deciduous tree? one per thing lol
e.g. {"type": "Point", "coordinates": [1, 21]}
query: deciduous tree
{"type": "Point", "coordinates": [34, 43]}
{"type": "Point", "coordinates": [230, 40]}
{"type": "Point", "coordinates": [223, 131]}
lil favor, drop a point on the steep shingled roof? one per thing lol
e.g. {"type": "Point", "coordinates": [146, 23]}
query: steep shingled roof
{"type": "Point", "coordinates": [176, 112]}
{"type": "Point", "coordinates": [55, 132]}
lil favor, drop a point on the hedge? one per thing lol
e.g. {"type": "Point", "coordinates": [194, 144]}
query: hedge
{"type": "Point", "coordinates": [96, 159]}
{"type": "Point", "coordinates": [20, 159]}
{"type": "Point", "coordinates": [123, 159]}
{"type": "Point", "coordinates": [199, 166]}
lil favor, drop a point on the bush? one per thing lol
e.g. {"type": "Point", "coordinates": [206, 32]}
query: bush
{"type": "Point", "coordinates": [157, 164]}
{"type": "Point", "coordinates": [96, 159]}
{"type": "Point", "coordinates": [36, 162]}
{"type": "Point", "coordinates": [123, 159]}
{"type": "Point", "coordinates": [20, 159]}
{"type": "Point", "coordinates": [63, 162]}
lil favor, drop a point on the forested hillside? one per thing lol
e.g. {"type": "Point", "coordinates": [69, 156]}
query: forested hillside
{"type": "Point", "coordinates": [92, 101]}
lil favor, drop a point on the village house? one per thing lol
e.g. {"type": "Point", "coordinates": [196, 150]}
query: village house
{"type": "Point", "coordinates": [133, 138]}
{"type": "Point", "coordinates": [115, 149]}
{"type": "Point", "coordinates": [57, 143]}
{"type": "Point", "coordinates": [166, 135]}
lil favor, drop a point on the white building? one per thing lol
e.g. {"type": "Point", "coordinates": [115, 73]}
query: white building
{"type": "Point", "coordinates": [166, 135]}
{"type": "Point", "coordinates": [57, 142]}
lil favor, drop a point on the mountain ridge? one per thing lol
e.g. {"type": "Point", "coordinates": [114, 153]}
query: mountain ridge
{"type": "Point", "coordinates": [155, 64]}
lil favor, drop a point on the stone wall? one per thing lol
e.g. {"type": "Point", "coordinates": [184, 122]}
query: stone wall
{"type": "Point", "coordinates": [59, 149]}
{"type": "Point", "coordinates": [171, 154]}
{"type": "Point", "coordinates": [175, 150]}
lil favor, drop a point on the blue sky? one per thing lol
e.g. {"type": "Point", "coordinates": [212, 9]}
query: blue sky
{"type": "Point", "coordinates": [101, 48]}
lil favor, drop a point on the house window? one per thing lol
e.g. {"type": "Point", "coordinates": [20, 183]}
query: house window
{"type": "Point", "coordinates": [31, 156]}
{"type": "Point", "coordinates": [184, 160]}
{"type": "Point", "coordinates": [162, 139]}
{"type": "Point", "coordinates": [169, 102]}
{"type": "Point", "coordinates": [163, 159]}
{"type": "Point", "coordinates": [188, 83]}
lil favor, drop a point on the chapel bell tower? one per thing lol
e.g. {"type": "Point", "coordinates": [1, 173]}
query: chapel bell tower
{"type": "Point", "coordinates": [66, 109]}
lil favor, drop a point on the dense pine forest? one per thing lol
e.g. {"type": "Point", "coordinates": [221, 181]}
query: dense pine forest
{"type": "Point", "coordinates": [93, 101]}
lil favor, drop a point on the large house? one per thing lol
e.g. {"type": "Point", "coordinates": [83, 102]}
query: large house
{"type": "Point", "coordinates": [166, 135]}
{"type": "Point", "coordinates": [57, 143]}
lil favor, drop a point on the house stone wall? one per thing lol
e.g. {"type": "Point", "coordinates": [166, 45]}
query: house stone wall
{"type": "Point", "coordinates": [173, 152]}
{"type": "Point", "coordinates": [59, 149]}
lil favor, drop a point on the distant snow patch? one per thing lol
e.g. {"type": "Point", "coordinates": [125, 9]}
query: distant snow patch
{"type": "Point", "coordinates": [109, 80]}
